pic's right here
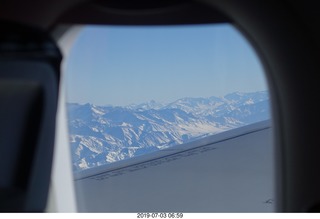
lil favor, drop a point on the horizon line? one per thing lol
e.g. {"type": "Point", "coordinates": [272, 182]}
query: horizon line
{"type": "Point", "coordinates": [161, 102]}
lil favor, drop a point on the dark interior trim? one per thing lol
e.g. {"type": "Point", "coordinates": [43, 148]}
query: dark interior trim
{"type": "Point", "coordinates": [142, 13]}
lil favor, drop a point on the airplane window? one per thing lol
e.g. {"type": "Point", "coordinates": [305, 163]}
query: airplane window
{"type": "Point", "coordinates": [168, 119]}
{"type": "Point", "coordinates": [137, 90]}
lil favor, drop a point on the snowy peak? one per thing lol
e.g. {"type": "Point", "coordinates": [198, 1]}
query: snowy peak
{"type": "Point", "coordinates": [146, 106]}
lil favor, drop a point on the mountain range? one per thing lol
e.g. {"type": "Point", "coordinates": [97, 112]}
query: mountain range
{"type": "Point", "coordinates": [105, 134]}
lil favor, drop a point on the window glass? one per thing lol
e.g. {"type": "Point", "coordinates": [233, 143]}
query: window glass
{"type": "Point", "coordinates": [137, 90]}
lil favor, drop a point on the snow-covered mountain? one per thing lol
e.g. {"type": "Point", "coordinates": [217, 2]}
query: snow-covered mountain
{"type": "Point", "coordinates": [105, 134]}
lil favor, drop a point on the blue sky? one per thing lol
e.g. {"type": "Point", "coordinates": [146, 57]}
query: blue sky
{"type": "Point", "coordinates": [125, 65]}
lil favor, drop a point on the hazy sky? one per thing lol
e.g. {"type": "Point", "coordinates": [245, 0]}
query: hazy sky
{"type": "Point", "coordinates": [125, 65]}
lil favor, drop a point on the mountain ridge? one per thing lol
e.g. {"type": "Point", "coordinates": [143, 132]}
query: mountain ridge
{"type": "Point", "coordinates": [104, 134]}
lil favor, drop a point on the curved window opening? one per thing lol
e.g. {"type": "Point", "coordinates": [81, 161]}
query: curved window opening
{"type": "Point", "coordinates": [180, 114]}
